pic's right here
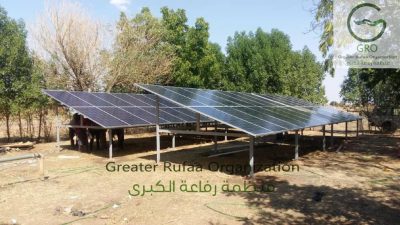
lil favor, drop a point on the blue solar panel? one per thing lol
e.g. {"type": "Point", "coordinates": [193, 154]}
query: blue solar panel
{"type": "Point", "coordinates": [111, 110]}
{"type": "Point", "coordinates": [251, 113]}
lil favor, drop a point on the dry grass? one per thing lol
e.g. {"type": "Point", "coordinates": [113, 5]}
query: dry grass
{"type": "Point", "coordinates": [359, 184]}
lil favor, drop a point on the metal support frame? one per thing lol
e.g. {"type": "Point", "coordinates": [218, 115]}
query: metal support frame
{"type": "Point", "coordinates": [251, 156]}
{"type": "Point", "coordinates": [58, 124]}
{"type": "Point", "coordinates": [323, 138]}
{"type": "Point", "coordinates": [173, 141]}
{"type": "Point", "coordinates": [362, 127]}
{"type": "Point", "coordinates": [158, 128]}
{"type": "Point", "coordinates": [215, 136]}
{"type": "Point", "coordinates": [110, 140]}
{"type": "Point", "coordinates": [296, 148]}
{"type": "Point", "coordinates": [226, 136]}
{"type": "Point", "coordinates": [345, 132]}
{"type": "Point", "coordinates": [358, 123]}
{"type": "Point", "coordinates": [190, 132]}
{"type": "Point", "coordinates": [197, 121]}
{"type": "Point", "coordinates": [331, 135]}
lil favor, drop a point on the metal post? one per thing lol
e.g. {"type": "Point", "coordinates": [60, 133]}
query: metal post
{"type": "Point", "coordinates": [226, 131]}
{"type": "Point", "coordinates": [323, 139]}
{"type": "Point", "coordinates": [251, 156]}
{"type": "Point", "coordinates": [158, 128]}
{"type": "Point", "coordinates": [215, 137]}
{"type": "Point", "coordinates": [110, 149]}
{"type": "Point", "coordinates": [173, 141]}
{"type": "Point", "coordinates": [41, 167]}
{"type": "Point", "coordinates": [331, 135]}
{"type": "Point", "coordinates": [345, 132]}
{"type": "Point", "coordinates": [58, 129]}
{"type": "Point", "coordinates": [358, 123]}
{"type": "Point", "coordinates": [197, 121]}
{"type": "Point", "coordinates": [362, 127]}
{"type": "Point", "coordinates": [296, 148]}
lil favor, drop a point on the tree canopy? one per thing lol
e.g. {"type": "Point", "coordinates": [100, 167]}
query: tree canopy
{"type": "Point", "coordinates": [266, 63]}
{"type": "Point", "coordinates": [15, 64]}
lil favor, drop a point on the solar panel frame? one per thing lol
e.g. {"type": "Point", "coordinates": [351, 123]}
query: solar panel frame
{"type": "Point", "coordinates": [230, 108]}
{"type": "Point", "coordinates": [122, 110]}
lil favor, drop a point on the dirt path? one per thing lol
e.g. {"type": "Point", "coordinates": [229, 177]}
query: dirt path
{"type": "Point", "coordinates": [358, 185]}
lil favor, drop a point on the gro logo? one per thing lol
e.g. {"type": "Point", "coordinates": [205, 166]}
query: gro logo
{"type": "Point", "coordinates": [365, 21]}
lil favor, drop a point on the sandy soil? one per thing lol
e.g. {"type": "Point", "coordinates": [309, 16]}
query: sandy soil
{"type": "Point", "coordinates": [360, 184]}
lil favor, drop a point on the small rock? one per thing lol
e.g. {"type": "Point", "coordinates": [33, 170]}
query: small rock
{"type": "Point", "coordinates": [115, 206]}
{"type": "Point", "coordinates": [68, 210]}
{"type": "Point", "coordinates": [318, 196]}
{"type": "Point", "coordinates": [104, 217]}
{"type": "Point", "coordinates": [76, 212]}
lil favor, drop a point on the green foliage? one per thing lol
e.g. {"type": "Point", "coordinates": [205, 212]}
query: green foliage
{"type": "Point", "coordinates": [199, 63]}
{"type": "Point", "coordinates": [139, 54]}
{"type": "Point", "coordinates": [372, 86]}
{"type": "Point", "coordinates": [15, 62]}
{"type": "Point", "coordinates": [265, 63]}
{"type": "Point", "coordinates": [323, 20]}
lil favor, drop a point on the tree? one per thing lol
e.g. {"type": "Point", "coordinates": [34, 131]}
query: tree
{"type": "Point", "coordinates": [265, 63]}
{"type": "Point", "coordinates": [323, 21]}
{"type": "Point", "coordinates": [372, 86]}
{"type": "Point", "coordinates": [199, 63]}
{"type": "Point", "coordinates": [69, 39]}
{"type": "Point", "coordinates": [139, 54]}
{"type": "Point", "coordinates": [15, 64]}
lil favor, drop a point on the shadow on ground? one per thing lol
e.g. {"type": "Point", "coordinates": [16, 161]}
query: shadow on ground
{"type": "Point", "coordinates": [292, 204]}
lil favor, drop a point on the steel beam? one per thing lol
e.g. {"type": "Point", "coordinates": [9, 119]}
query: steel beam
{"type": "Point", "coordinates": [215, 134]}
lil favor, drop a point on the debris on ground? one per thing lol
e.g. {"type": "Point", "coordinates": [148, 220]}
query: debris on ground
{"type": "Point", "coordinates": [76, 212]}
{"type": "Point", "coordinates": [318, 196]}
{"type": "Point", "coordinates": [68, 157]}
{"type": "Point", "coordinates": [19, 146]}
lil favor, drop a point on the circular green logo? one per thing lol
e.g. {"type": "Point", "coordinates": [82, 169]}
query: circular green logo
{"type": "Point", "coordinates": [366, 21]}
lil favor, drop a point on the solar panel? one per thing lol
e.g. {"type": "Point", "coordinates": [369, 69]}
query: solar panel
{"type": "Point", "coordinates": [118, 110]}
{"type": "Point", "coordinates": [253, 114]}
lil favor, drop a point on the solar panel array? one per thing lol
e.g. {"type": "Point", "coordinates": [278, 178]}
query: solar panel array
{"type": "Point", "coordinates": [253, 114]}
{"type": "Point", "coordinates": [118, 110]}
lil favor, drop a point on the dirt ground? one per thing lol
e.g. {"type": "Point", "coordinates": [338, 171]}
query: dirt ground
{"type": "Point", "coordinates": [360, 184]}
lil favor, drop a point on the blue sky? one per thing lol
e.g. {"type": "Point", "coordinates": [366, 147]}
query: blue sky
{"type": "Point", "coordinates": [224, 16]}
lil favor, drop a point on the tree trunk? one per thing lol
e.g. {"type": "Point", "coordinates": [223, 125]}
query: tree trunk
{"type": "Point", "coordinates": [8, 126]}
{"type": "Point", "coordinates": [20, 124]}
{"type": "Point", "coordinates": [40, 123]}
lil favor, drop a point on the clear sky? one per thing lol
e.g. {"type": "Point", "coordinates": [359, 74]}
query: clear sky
{"type": "Point", "coordinates": [224, 16]}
